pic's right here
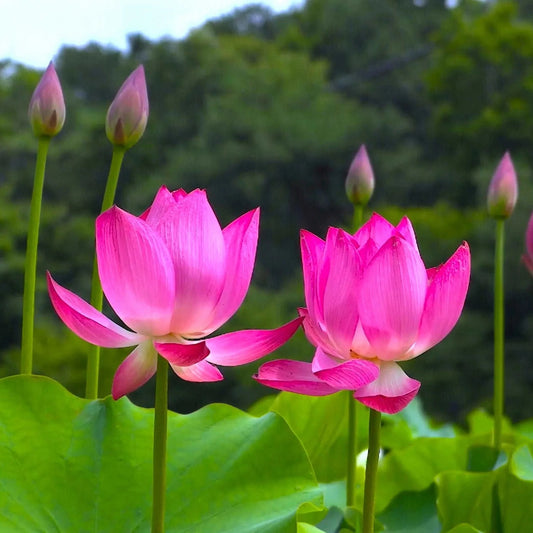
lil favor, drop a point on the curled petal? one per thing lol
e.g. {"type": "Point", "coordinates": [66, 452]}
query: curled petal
{"type": "Point", "coordinates": [136, 272]}
{"type": "Point", "coordinates": [444, 301]}
{"type": "Point", "coordinates": [293, 376]}
{"type": "Point", "coordinates": [240, 347]}
{"type": "Point", "coordinates": [240, 239]}
{"type": "Point", "coordinates": [86, 322]}
{"type": "Point", "coordinates": [393, 290]}
{"type": "Point", "coordinates": [347, 375]}
{"type": "Point", "coordinates": [390, 392]}
{"type": "Point", "coordinates": [135, 370]}
{"type": "Point", "coordinates": [199, 372]}
{"type": "Point", "coordinates": [182, 354]}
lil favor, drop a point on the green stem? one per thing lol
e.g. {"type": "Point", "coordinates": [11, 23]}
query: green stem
{"type": "Point", "coordinates": [357, 217]}
{"type": "Point", "coordinates": [351, 467]}
{"type": "Point", "coordinates": [30, 268]}
{"type": "Point", "coordinates": [97, 298]}
{"type": "Point", "coordinates": [374, 428]}
{"type": "Point", "coordinates": [498, 333]}
{"type": "Point", "coordinates": [160, 446]}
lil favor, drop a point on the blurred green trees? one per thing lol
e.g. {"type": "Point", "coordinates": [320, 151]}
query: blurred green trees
{"type": "Point", "coordinates": [265, 109]}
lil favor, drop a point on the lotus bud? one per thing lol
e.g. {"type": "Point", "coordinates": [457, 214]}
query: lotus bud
{"type": "Point", "coordinates": [503, 189]}
{"type": "Point", "coordinates": [527, 258]}
{"type": "Point", "coordinates": [128, 113]}
{"type": "Point", "coordinates": [360, 179]}
{"type": "Point", "coordinates": [47, 106]}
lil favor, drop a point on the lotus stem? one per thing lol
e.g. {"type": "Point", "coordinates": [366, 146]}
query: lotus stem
{"type": "Point", "coordinates": [30, 268]}
{"type": "Point", "coordinates": [374, 429]}
{"type": "Point", "coordinates": [498, 333]}
{"type": "Point", "coordinates": [97, 298]}
{"type": "Point", "coordinates": [160, 446]}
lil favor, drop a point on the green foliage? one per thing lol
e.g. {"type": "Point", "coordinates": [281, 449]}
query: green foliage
{"type": "Point", "coordinates": [481, 82]}
{"type": "Point", "coordinates": [70, 464]}
{"type": "Point", "coordinates": [430, 479]}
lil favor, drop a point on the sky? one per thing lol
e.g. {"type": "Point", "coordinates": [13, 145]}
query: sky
{"type": "Point", "coordinates": [33, 31]}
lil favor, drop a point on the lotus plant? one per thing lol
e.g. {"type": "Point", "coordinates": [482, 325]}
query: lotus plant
{"type": "Point", "coordinates": [125, 123]}
{"type": "Point", "coordinates": [174, 277]}
{"type": "Point", "coordinates": [501, 200]}
{"type": "Point", "coordinates": [371, 303]}
{"type": "Point", "coordinates": [46, 113]}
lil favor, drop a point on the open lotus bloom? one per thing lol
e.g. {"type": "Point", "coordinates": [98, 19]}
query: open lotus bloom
{"type": "Point", "coordinates": [173, 276]}
{"type": "Point", "coordinates": [370, 303]}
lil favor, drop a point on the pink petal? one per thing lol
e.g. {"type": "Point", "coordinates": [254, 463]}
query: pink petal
{"type": "Point", "coordinates": [136, 272]}
{"type": "Point", "coordinates": [360, 344]}
{"type": "Point", "coordinates": [405, 228]}
{"type": "Point", "coordinates": [347, 375]}
{"type": "Point", "coordinates": [312, 249]}
{"type": "Point", "coordinates": [393, 290]}
{"type": "Point", "coordinates": [160, 207]}
{"type": "Point", "coordinates": [199, 372]}
{"type": "Point", "coordinates": [182, 354]}
{"type": "Point", "coordinates": [377, 228]}
{"type": "Point", "coordinates": [241, 347]}
{"type": "Point", "coordinates": [86, 322]}
{"type": "Point", "coordinates": [135, 370]}
{"type": "Point", "coordinates": [240, 238]}
{"type": "Point", "coordinates": [292, 376]}
{"type": "Point", "coordinates": [341, 290]}
{"type": "Point", "coordinates": [390, 392]}
{"type": "Point", "coordinates": [444, 300]}
{"type": "Point", "coordinates": [316, 335]}
{"type": "Point", "coordinates": [189, 228]}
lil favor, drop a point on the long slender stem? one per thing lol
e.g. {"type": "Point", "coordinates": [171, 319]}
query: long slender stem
{"type": "Point", "coordinates": [160, 446]}
{"type": "Point", "coordinates": [498, 333]}
{"type": "Point", "coordinates": [93, 361]}
{"type": "Point", "coordinates": [30, 268]}
{"type": "Point", "coordinates": [357, 217]}
{"type": "Point", "coordinates": [351, 467]}
{"type": "Point", "coordinates": [374, 429]}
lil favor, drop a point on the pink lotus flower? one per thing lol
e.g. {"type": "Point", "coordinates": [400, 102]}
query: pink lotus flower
{"type": "Point", "coordinates": [173, 276]}
{"type": "Point", "coordinates": [127, 115]}
{"type": "Point", "coordinates": [359, 182]}
{"type": "Point", "coordinates": [503, 189]}
{"type": "Point", "coordinates": [370, 303]}
{"type": "Point", "coordinates": [47, 106]}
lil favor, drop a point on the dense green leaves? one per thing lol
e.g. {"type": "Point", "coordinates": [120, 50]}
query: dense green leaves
{"type": "Point", "coordinates": [70, 464]}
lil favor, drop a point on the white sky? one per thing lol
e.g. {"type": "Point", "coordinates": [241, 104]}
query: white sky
{"type": "Point", "coordinates": [33, 31]}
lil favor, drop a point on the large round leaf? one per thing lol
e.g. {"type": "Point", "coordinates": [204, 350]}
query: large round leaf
{"type": "Point", "coordinates": [70, 464]}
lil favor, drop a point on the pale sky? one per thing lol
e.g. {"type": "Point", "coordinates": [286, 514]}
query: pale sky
{"type": "Point", "coordinates": [33, 31]}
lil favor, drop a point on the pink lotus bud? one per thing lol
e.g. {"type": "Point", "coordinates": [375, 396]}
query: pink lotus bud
{"type": "Point", "coordinates": [360, 179]}
{"type": "Point", "coordinates": [47, 106]}
{"type": "Point", "coordinates": [128, 113]}
{"type": "Point", "coordinates": [503, 189]}
{"type": "Point", "coordinates": [527, 258]}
